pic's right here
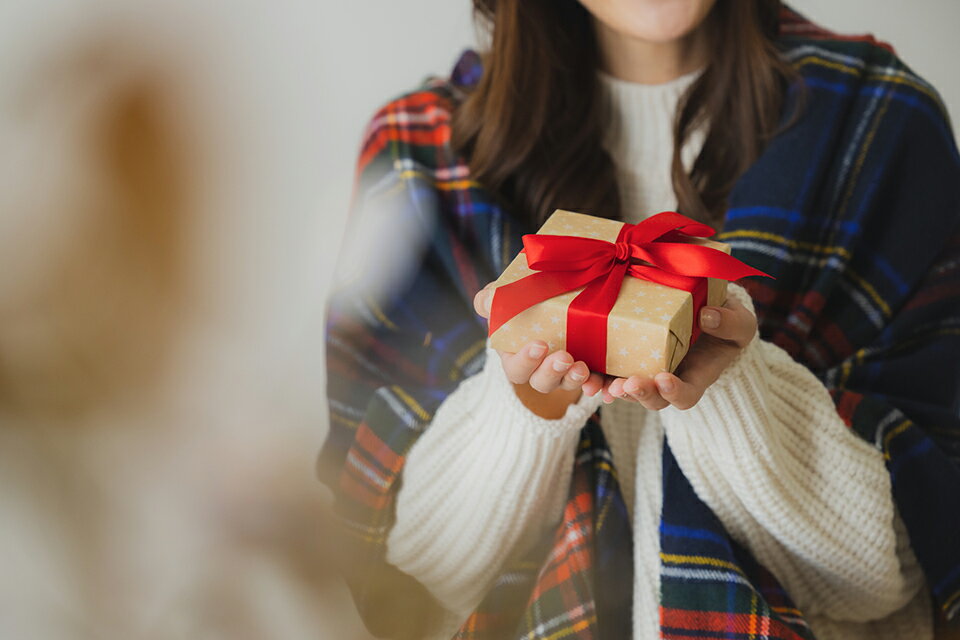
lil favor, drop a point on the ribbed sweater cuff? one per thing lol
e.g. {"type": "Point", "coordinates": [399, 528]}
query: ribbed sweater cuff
{"type": "Point", "coordinates": [514, 411]}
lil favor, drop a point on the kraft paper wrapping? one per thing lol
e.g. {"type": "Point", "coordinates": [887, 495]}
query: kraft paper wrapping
{"type": "Point", "coordinates": [649, 327]}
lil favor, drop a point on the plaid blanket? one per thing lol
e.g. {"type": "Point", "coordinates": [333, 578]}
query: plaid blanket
{"type": "Point", "coordinates": [854, 210]}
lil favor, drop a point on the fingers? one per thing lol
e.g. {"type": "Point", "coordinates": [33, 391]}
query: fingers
{"type": "Point", "coordinates": [607, 396]}
{"type": "Point", "coordinates": [732, 321]}
{"type": "Point", "coordinates": [594, 384]}
{"type": "Point", "coordinates": [659, 392]}
{"type": "Point", "coordinates": [550, 373]}
{"type": "Point", "coordinates": [683, 395]}
{"type": "Point", "coordinates": [483, 300]}
{"type": "Point", "coordinates": [655, 393]}
{"type": "Point", "coordinates": [613, 390]}
{"type": "Point", "coordinates": [520, 365]}
{"type": "Point", "coordinates": [575, 376]}
{"type": "Point", "coordinates": [544, 373]}
{"type": "Point", "coordinates": [638, 389]}
{"type": "Point", "coordinates": [644, 391]}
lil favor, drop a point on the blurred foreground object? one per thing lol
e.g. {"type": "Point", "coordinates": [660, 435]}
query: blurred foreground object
{"type": "Point", "coordinates": [93, 196]}
{"type": "Point", "coordinates": [146, 493]}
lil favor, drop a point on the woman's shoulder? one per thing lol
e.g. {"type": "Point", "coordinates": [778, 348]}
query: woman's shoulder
{"type": "Point", "coordinates": [415, 126]}
{"type": "Point", "coordinates": [850, 64]}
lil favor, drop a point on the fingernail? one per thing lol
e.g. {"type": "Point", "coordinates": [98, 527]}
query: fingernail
{"type": "Point", "coordinates": [536, 351]}
{"type": "Point", "coordinates": [576, 376]}
{"type": "Point", "coordinates": [665, 384]}
{"type": "Point", "coordinates": [709, 319]}
{"type": "Point", "coordinates": [560, 365]}
{"type": "Point", "coordinates": [630, 387]}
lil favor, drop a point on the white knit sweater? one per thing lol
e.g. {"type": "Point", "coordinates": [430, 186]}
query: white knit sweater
{"type": "Point", "coordinates": [764, 449]}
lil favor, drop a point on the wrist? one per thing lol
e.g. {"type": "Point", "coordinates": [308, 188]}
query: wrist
{"type": "Point", "coordinates": [505, 401]}
{"type": "Point", "coordinates": [551, 406]}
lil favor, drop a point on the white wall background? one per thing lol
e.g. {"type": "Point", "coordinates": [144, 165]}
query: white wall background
{"type": "Point", "coordinates": [276, 94]}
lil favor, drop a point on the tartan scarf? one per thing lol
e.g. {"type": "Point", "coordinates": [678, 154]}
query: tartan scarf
{"type": "Point", "coordinates": [854, 210]}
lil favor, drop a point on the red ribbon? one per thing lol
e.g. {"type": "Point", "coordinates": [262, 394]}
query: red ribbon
{"type": "Point", "coordinates": [648, 250]}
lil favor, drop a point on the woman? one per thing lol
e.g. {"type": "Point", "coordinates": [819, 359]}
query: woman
{"type": "Point", "coordinates": [734, 497]}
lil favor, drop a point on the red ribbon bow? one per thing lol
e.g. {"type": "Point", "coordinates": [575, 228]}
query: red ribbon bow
{"type": "Point", "coordinates": [648, 250]}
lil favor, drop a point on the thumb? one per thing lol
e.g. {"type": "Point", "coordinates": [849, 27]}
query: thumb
{"type": "Point", "coordinates": [483, 300]}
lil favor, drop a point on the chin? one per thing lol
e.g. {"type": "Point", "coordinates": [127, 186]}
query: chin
{"type": "Point", "coordinates": [651, 20]}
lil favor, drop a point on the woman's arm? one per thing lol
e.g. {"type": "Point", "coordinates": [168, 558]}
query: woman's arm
{"type": "Point", "coordinates": [490, 475]}
{"type": "Point", "coordinates": [766, 450]}
{"type": "Point", "coordinates": [402, 338]}
{"type": "Point", "coordinates": [485, 481]}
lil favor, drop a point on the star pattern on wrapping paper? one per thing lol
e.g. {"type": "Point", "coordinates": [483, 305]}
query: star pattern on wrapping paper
{"type": "Point", "coordinates": [651, 304]}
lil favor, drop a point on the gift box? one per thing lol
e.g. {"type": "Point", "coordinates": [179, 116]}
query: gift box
{"type": "Point", "coordinates": [621, 297]}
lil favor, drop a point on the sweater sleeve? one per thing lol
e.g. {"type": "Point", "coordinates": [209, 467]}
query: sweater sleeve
{"type": "Point", "coordinates": [488, 478]}
{"type": "Point", "coordinates": [767, 452]}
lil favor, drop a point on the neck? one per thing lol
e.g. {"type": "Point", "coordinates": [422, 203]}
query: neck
{"type": "Point", "coordinates": [647, 62]}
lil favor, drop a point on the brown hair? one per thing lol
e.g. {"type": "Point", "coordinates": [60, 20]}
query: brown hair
{"type": "Point", "coordinates": [532, 128]}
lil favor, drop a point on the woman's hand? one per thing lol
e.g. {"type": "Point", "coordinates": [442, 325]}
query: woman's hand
{"type": "Point", "coordinates": [555, 378]}
{"type": "Point", "coordinates": [727, 330]}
